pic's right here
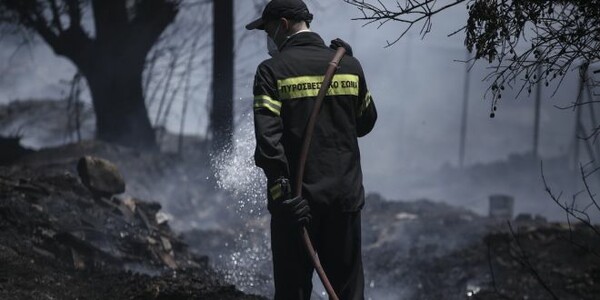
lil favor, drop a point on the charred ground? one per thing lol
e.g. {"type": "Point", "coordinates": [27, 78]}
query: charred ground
{"type": "Point", "coordinates": [60, 241]}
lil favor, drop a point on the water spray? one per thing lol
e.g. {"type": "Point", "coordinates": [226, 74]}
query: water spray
{"type": "Point", "coordinates": [245, 265]}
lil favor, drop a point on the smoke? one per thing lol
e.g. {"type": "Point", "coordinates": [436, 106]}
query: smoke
{"type": "Point", "coordinates": [416, 85]}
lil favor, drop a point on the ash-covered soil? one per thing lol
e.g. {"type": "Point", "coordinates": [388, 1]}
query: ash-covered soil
{"type": "Point", "coordinates": [173, 235]}
{"type": "Point", "coordinates": [59, 241]}
{"type": "Point", "coordinates": [426, 250]}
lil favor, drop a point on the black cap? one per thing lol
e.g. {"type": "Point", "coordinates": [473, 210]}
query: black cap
{"type": "Point", "coordinates": [289, 9]}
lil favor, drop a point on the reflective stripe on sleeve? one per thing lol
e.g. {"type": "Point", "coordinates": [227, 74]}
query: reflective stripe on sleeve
{"type": "Point", "coordinates": [275, 191]}
{"type": "Point", "coordinates": [308, 86]}
{"type": "Point", "coordinates": [365, 103]}
{"type": "Point", "coordinates": [264, 101]}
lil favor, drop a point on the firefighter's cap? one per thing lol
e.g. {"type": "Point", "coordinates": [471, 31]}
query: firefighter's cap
{"type": "Point", "coordinates": [275, 9]}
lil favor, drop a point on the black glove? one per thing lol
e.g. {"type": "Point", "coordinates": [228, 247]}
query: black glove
{"type": "Point", "coordinates": [340, 43]}
{"type": "Point", "coordinates": [294, 209]}
{"type": "Point", "coordinates": [298, 210]}
{"type": "Point", "coordinates": [281, 203]}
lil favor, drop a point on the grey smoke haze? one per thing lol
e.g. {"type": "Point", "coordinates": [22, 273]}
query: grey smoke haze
{"type": "Point", "coordinates": [417, 86]}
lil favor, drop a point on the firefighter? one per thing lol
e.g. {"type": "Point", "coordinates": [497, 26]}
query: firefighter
{"type": "Point", "coordinates": [285, 88]}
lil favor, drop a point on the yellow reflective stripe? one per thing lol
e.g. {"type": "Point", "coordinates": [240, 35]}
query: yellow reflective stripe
{"type": "Point", "coordinates": [264, 101]}
{"type": "Point", "coordinates": [365, 103]}
{"type": "Point", "coordinates": [275, 191]}
{"type": "Point", "coordinates": [308, 86]}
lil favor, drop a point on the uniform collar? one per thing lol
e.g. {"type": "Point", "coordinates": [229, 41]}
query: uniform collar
{"type": "Point", "coordinates": [300, 31]}
{"type": "Point", "coordinates": [302, 38]}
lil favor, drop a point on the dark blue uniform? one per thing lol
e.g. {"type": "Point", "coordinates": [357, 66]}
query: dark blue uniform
{"type": "Point", "coordinates": [285, 89]}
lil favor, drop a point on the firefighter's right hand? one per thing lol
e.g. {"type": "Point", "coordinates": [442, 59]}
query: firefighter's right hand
{"type": "Point", "coordinates": [341, 43]}
{"type": "Point", "coordinates": [294, 209]}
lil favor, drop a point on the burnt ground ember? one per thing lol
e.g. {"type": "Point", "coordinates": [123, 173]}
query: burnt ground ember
{"type": "Point", "coordinates": [58, 241]}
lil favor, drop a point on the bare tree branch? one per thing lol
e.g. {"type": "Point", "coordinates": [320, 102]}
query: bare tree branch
{"type": "Point", "coordinates": [110, 18]}
{"type": "Point", "coordinates": [572, 211]}
{"type": "Point", "coordinates": [412, 13]}
{"type": "Point", "coordinates": [151, 20]}
{"type": "Point", "coordinates": [488, 243]}
{"type": "Point", "coordinates": [523, 259]}
{"type": "Point", "coordinates": [55, 16]}
{"type": "Point", "coordinates": [74, 9]}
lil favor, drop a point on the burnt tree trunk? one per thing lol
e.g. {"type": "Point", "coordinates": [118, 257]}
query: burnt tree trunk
{"type": "Point", "coordinates": [116, 90]}
{"type": "Point", "coordinates": [221, 117]}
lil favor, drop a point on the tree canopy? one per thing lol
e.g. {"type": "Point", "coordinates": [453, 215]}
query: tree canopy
{"type": "Point", "coordinates": [520, 38]}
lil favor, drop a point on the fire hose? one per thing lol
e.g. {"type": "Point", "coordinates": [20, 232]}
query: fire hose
{"type": "Point", "coordinates": [333, 65]}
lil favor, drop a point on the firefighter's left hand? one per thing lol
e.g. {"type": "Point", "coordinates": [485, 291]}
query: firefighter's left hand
{"type": "Point", "coordinates": [297, 210]}
{"type": "Point", "coordinates": [341, 43]}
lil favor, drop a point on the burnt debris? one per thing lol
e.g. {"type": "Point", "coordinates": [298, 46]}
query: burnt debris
{"type": "Point", "coordinates": [11, 149]}
{"type": "Point", "coordinates": [61, 239]}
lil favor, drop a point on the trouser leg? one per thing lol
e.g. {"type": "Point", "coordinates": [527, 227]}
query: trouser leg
{"type": "Point", "coordinates": [339, 249]}
{"type": "Point", "coordinates": [292, 269]}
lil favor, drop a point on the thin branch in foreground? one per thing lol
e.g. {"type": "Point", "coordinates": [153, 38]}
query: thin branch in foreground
{"type": "Point", "coordinates": [572, 212]}
{"type": "Point", "coordinates": [488, 244]}
{"type": "Point", "coordinates": [523, 259]}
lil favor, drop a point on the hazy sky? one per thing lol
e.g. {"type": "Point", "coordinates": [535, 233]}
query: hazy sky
{"type": "Point", "coordinates": [416, 84]}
